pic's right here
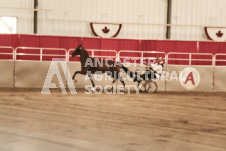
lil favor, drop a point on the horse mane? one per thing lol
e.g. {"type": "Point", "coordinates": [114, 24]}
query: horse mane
{"type": "Point", "coordinates": [85, 53]}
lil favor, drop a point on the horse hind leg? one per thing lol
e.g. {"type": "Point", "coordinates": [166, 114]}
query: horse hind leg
{"type": "Point", "coordinates": [120, 78]}
{"type": "Point", "coordinates": [91, 79]}
{"type": "Point", "coordinates": [122, 81]}
{"type": "Point", "coordinates": [116, 77]}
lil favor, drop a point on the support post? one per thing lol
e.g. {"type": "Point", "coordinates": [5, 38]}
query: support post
{"type": "Point", "coordinates": [169, 10]}
{"type": "Point", "coordinates": [35, 16]}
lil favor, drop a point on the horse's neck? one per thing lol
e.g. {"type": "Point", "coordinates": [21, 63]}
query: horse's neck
{"type": "Point", "coordinates": [83, 58]}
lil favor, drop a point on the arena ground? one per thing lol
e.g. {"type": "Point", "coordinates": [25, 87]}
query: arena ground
{"type": "Point", "coordinates": [30, 121]}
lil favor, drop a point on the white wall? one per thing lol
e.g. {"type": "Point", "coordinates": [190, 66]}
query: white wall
{"type": "Point", "coordinates": [119, 11]}
{"type": "Point", "coordinates": [196, 12]}
{"type": "Point", "coordinates": [60, 17]}
{"type": "Point", "coordinates": [24, 16]}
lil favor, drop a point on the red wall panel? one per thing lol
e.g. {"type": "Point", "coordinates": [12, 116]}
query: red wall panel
{"type": "Point", "coordinates": [148, 45]}
{"type": "Point", "coordinates": [91, 43]}
{"type": "Point", "coordinates": [8, 40]}
{"type": "Point", "coordinates": [121, 44]}
{"type": "Point", "coordinates": [28, 41]}
{"type": "Point", "coordinates": [70, 42]}
{"type": "Point", "coordinates": [110, 44]}
{"type": "Point", "coordinates": [212, 47]}
{"type": "Point", "coordinates": [186, 46]}
{"type": "Point", "coordinates": [50, 41]}
{"type": "Point", "coordinates": [15, 40]}
{"type": "Point", "coordinates": [176, 46]}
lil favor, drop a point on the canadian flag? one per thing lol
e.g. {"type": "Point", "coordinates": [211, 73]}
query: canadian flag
{"type": "Point", "coordinates": [216, 34]}
{"type": "Point", "coordinates": [105, 30]}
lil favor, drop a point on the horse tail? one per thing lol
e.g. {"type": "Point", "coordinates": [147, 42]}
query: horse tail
{"type": "Point", "coordinates": [127, 71]}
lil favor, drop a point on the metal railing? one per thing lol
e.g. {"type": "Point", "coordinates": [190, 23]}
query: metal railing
{"type": "Point", "coordinates": [189, 58]}
{"type": "Point", "coordinates": [3, 53]}
{"type": "Point", "coordinates": [43, 52]}
{"type": "Point", "coordinates": [142, 54]}
{"type": "Point", "coordinates": [175, 57]}
{"type": "Point", "coordinates": [220, 59]}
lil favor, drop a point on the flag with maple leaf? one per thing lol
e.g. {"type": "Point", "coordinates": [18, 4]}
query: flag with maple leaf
{"type": "Point", "coordinates": [216, 33]}
{"type": "Point", "coordinates": [105, 30]}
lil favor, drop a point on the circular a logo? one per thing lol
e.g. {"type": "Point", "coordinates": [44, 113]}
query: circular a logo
{"type": "Point", "coordinates": [189, 78]}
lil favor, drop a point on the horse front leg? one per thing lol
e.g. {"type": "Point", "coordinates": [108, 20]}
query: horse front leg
{"type": "Point", "coordinates": [75, 74]}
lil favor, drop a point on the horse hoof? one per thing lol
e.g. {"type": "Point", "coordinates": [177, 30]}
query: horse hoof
{"type": "Point", "coordinates": [93, 89]}
{"type": "Point", "coordinates": [124, 89]}
{"type": "Point", "coordinates": [75, 80]}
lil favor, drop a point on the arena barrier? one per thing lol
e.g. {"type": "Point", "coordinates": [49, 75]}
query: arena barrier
{"type": "Point", "coordinates": [6, 67]}
{"type": "Point", "coordinates": [27, 67]}
{"type": "Point", "coordinates": [32, 74]}
{"type": "Point", "coordinates": [7, 74]}
{"type": "Point", "coordinates": [219, 73]}
{"type": "Point", "coordinates": [189, 77]}
{"type": "Point", "coordinates": [201, 81]}
{"type": "Point", "coordinates": [39, 54]}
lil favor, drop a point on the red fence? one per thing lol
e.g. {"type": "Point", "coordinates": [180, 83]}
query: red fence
{"type": "Point", "coordinates": [6, 52]}
{"type": "Point", "coordinates": [142, 57]}
{"type": "Point", "coordinates": [15, 40]}
{"type": "Point", "coordinates": [138, 46]}
{"type": "Point", "coordinates": [39, 54]}
{"type": "Point", "coordinates": [176, 58]}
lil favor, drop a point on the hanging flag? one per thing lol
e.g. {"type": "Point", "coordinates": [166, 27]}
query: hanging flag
{"type": "Point", "coordinates": [105, 30]}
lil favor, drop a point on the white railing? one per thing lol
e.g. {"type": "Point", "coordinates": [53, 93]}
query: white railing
{"type": "Point", "coordinates": [189, 57]}
{"type": "Point", "coordinates": [221, 60]}
{"type": "Point", "coordinates": [94, 55]}
{"type": "Point", "coordinates": [43, 52]}
{"type": "Point", "coordinates": [7, 48]}
{"type": "Point", "coordinates": [141, 56]}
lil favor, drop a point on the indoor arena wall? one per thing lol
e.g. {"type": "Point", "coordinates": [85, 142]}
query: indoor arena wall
{"type": "Point", "coordinates": [219, 79]}
{"type": "Point", "coordinates": [18, 40]}
{"type": "Point", "coordinates": [28, 70]}
{"type": "Point", "coordinates": [140, 19]}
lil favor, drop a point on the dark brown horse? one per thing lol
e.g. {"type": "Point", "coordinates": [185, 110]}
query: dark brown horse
{"type": "Point", "coordinates": [90, 66]}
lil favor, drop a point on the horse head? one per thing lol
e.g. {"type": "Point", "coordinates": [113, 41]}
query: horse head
{"type": "Point", "coordinates": [78, 51]}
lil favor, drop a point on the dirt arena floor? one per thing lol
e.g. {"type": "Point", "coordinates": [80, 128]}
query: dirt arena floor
{"type": "Point", "coordinates": [31, 121]}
